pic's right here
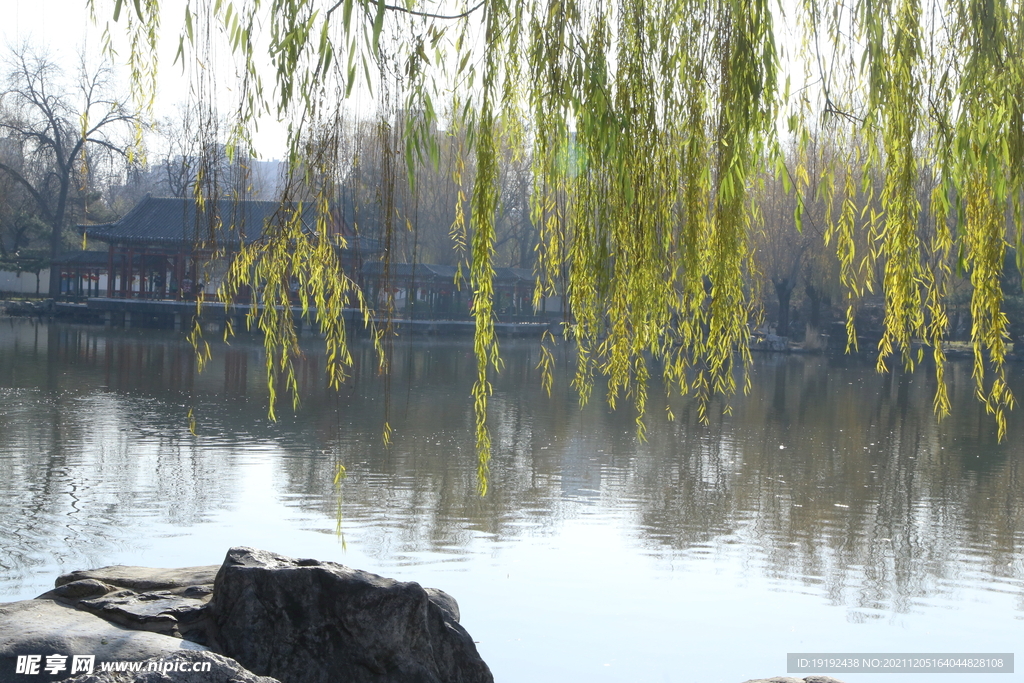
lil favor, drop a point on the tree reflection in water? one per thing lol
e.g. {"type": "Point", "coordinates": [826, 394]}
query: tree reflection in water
{"type": "Point", "coordinates": [826, 477]}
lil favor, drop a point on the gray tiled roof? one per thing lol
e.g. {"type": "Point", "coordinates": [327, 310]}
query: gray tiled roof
{"type": "Point", "coordinates": [176, 222]}
{"type": "Point", "coordinates": [84, 259]}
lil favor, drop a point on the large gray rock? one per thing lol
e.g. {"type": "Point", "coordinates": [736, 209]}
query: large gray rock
{"type": "Point", "coordinates": [180, 667]}
{"type": "Point", "coordinates": [158, 611]}
{"type": "Point", "coordinates": [167, 601]}
{"type": "Point", "coordinates": [382, 630]}
{"type": "Point", "coordinates": [46, 627]}
{"type": "Point", "coordinates": [141, 579]}
{"type": "Point", "coordinates": [445, 602]}
{"type": "Point", "coordinates": [305, 621]}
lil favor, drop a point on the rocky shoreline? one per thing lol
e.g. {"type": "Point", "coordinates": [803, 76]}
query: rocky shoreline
{"type": "Point", "coordinates": [259, 617]}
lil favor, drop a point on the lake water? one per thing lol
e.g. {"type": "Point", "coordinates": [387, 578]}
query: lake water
{"type": "Point", "coordinates": [828, 513]}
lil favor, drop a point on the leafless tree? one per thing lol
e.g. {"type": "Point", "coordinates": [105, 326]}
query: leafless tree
{"type": "Point", "coordinates": [57, 132]}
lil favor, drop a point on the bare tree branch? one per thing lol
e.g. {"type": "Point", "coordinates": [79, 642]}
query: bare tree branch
{"type": "Point", "coordinates": [417, 13]}
{"type": "Point", "coordinates": [42, 118]}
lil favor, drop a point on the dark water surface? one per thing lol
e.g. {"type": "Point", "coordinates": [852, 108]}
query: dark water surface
{"type": "Point", "coordinates": [828, 513]}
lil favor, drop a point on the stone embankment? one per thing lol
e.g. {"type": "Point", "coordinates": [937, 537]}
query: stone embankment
{"type": "Point", "coordinates": [259, 617]}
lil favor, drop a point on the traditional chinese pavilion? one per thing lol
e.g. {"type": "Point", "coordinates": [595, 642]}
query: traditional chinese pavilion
{"type": "Point", "coordinates": [164, 247]}
{"type": "Point", "coordinates": [429, 291]}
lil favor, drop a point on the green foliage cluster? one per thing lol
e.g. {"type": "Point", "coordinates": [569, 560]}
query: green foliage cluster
{"type": "Point", "coordinates": [647, 123]}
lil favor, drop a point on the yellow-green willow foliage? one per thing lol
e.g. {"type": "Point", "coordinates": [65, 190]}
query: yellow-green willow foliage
{"type": "Point", "coordinates": [928, 88]}
{"type": "Point", "coordinates": [647, 122]}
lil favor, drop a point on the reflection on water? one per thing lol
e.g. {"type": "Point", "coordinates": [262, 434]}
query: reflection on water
{"type": "Point", "coordinates": [827, 481]}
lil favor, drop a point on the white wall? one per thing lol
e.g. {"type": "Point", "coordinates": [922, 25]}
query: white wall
{"type": "Point", "coordinates": [24, 283]}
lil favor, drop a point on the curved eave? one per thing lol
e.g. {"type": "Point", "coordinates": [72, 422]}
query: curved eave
{"type": "Point", "coordinates": [179, 243]}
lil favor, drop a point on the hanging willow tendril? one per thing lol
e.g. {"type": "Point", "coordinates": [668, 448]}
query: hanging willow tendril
{"type": "Point", "coordinates": [647, 123]}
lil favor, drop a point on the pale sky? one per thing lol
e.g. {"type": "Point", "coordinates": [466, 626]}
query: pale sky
{"type": "Point", "coordinates": [63, 28]}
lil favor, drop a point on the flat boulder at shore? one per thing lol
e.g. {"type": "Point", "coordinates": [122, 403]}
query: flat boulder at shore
{"type": "Point", "coordinates": [45, 627]}
{"type": "Point", "coordinates": [259, 617]}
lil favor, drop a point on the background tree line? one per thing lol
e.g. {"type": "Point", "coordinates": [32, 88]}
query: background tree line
{"type": "Point", "coordinates": [72, 151]}
{"type": "Point", "coordinates": [798, 275]}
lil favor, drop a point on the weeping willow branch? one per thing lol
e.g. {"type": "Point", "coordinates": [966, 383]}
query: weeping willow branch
{"type": "Point", "coordinates": [647, 124]}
